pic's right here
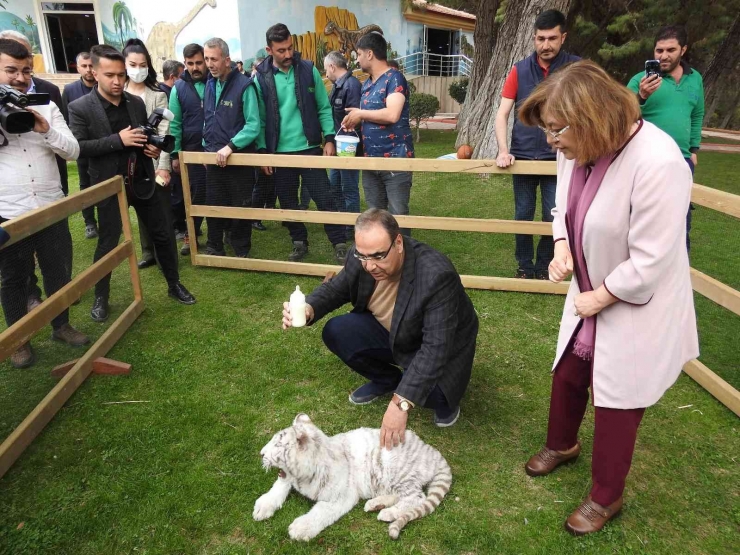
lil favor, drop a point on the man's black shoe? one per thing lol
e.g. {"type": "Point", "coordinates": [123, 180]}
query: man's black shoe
{"type": "Point", "coordinates": [367, 393]}
{"type": "Point", "coordinates": [259, 226]}
{"type": "Point", "coordinates": [91, 231]}
{"type": "Point", "coordinates": [523, 274]}
{"type": "Point", "coordinates": [542, 274]}
{"type": "Point", "coordinates": [146, 263]}
{"type": "Point", "coordinates": [213, 252]}
{"type": "Point", "coordinates": [178, 292]}
{"type": "Point", "coordinates": [300, 250]}
{"type": "Point", "coordinates": [99, 311]}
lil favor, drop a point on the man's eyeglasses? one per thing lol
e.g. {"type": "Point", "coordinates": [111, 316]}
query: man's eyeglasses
{"type": "Point", "coordinates": [555, 134]}
{"type": "Point", "coordinates": [12, 73]}
{"type": "Point", "coordinates": [374, 257]}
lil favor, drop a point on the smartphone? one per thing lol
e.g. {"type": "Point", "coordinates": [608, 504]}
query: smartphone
{"type": "Point", "coordinates": [652, 67]}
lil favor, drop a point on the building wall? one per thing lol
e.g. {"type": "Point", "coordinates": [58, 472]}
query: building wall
{"type": "Point", "coordinates": [20, 15]}
{"type": "Point", "coordinates": [307, 17]}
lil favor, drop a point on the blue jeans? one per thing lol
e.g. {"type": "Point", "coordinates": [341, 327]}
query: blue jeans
{"type": "Point", "coordinates": [364, 345]}
{"type": "Point", "coordinates": [389, 191]}
{"type": "Point", "coordinates": [525, 202]}
{"type": "Point", "coordinates": [345, 188]}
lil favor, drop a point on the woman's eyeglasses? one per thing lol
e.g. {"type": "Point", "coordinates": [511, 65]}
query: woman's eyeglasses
{"type": "Point", "coordinates": [555, 134]}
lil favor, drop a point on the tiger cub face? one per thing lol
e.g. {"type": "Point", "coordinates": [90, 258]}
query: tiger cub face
{"type": "Point", "coordinates": [289, 447]}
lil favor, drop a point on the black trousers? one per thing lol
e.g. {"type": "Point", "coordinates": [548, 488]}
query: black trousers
{"type": "Point", "coordinates": [88, 214]}
{"type": "Point", "coordinates": [230, 186]}
{"type": "Point", "coordinates": [316, 181]}
{"type": "Point", "coordinates": [147, 245]}
{"type": "Point", "coordinates": [152, 214]}
{"type": "Point", "coordinates": [53, 248]}
{"type": "Point", "coordinates": [197, 176]}
{"type": "Point", "coordinates": [264, 195]}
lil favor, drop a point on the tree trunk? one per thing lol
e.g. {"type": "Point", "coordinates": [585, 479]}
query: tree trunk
{"type": "Point", "coordinates": [725, 59]}
{"type": "Point", "coordinates": [514, 41]}
{"type": "Point", "coordinates": [731, 111]}
{"type": "Point", "coordinates": [484, 39]}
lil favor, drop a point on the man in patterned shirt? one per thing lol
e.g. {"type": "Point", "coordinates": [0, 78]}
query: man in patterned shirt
{"type": "Point", "coordinates": [386, 132]}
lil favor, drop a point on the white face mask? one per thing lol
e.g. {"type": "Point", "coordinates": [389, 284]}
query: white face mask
{"type": "Point", "coordinates": [137, 75]}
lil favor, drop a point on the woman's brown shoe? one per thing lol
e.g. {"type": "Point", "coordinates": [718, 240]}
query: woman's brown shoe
{"type": "Point", "coordinates": [548, 460]}
{"type": "Point", "coordinates": [591, 517]}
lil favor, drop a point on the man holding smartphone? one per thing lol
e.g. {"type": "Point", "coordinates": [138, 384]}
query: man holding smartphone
{"type": "Point", "coordinates": [674, 100]}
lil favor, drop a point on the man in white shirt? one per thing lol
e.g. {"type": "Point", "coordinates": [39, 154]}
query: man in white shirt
{"type": "Point", "coordinates": [29, 179]}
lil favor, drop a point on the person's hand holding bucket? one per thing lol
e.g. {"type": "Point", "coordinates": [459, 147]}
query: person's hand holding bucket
{"type": "Point", "coordinates": [347, 144]}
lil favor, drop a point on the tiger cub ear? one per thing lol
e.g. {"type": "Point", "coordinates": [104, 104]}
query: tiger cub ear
{"type": "Point", "coordinates": [301, 418]}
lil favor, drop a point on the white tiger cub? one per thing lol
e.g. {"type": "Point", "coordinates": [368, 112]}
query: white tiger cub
{"type": "Point", "coordinates": [338, 471]}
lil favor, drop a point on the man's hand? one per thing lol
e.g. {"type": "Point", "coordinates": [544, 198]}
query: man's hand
{"type": "Point", "coordinates": [176, 165]}
{"type": "Point", "coordinates": [165, 175]}
{"type": "Point", "coordinates": [352, 119]}
{"type": "Point", "coordinates": [267, 170]}
{"type": "Point", "coordinates": [393, 428]}
{"type": "Point", "coordinates": [648, 85]}
{"type": "Point", "coordinates": [562, 263]}
{"type": "Point", "coordinates": [152, 151]}
{"type": "Point", "coordinates": [504, 159]}
{"type": "Point", "coordinates": [288, 319]}
{"type": "Point", "coordinates": [222, 155]}
{"type": "Point", "coordinates": [694, 159]}
{"type": "Point", "coordinates": [330, 149]}
{"type": "Point", "coordinates": [133, 137]}
{"type": "Point", "coordinates": [41, 125]}
{"type": "Point", "coordinates": [592, 302]}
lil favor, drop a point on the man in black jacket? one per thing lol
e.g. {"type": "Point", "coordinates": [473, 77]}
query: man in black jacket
{"type": "Point", "coordinates": [410, 311]}
{"type": "Point", "coordinates": [72, 92]}
{"type": "Point", "coordinates": [105, 123]}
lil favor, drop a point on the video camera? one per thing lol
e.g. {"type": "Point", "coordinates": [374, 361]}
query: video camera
{"type": "Point", "coordinates": [165, 143]}
{"type": "Point", "coordinates": [14, 118]}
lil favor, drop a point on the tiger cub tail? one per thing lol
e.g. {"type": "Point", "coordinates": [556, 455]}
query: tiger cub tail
{"type": "Point", "coordinates": [438, 488]}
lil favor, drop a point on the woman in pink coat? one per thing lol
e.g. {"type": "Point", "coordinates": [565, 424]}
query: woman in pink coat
{"type": "Point", "coordinates": [628, 324]}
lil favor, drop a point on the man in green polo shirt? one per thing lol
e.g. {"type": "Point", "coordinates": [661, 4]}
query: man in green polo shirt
{"type": "Point", "coordinates": [674, 101]}
{"type": "Point", "coordinates": [186, 103]}
{"type": "Point", "coordinates": [296, 118]}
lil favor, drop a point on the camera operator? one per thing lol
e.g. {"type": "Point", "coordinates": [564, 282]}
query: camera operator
{"type": "Point", "coordinates": [30, 179]}
{"type": "Point", "coordinates": [105, 123]}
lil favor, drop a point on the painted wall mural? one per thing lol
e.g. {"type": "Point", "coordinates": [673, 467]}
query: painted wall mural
{"type": "Point", "coordinates": [166, 27]}
{"type": "Point", "coordinates": [17, 15]}
{"type": "Point", "coordinates": [313, 37]}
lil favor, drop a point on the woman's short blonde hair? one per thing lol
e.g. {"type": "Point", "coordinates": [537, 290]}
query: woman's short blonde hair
{"type": "Point", "coordinates": [599, 111]}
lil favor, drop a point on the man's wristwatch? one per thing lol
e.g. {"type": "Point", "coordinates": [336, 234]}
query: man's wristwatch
{"type": "Point", "coordinates": [404, 404]}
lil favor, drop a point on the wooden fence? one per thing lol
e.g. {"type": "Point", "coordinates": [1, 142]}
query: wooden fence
{"type": "Point", "coordinates": [20, 332]}
{"type": "Point", "coordinates": [707, 286]}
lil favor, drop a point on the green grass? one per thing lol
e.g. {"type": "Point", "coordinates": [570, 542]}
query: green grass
{"type": "Point", "coordinates": [180, 473]}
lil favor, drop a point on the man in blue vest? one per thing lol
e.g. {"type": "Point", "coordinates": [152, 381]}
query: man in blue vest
{"type": "Point", "coordinates": [72, 92]}
{"type": "Point", "coordinates": [232, 124]}
{"type": "Point", "coordinates": [186, 103]}
{"type": "Point", "coordinates": [529, 143]}
{"type": "Point", "coordinates": [295, 113]}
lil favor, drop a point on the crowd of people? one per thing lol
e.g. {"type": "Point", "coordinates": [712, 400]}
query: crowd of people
{"type": "Point", "coordinates": [619, 207]}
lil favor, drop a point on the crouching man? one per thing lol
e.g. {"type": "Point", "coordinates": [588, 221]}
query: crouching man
{"type": "Point", "coordinates": [412, 330]}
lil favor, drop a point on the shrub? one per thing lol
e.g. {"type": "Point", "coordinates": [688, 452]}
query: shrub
{"type": "Point", "coordinates": [422, 106]}
{"type": "Point", "coordinates": [459, 89]}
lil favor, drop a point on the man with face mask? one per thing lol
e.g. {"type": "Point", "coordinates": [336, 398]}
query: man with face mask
{"type": "Point", "coordinates": [186, 103]}
{"type": "Point", "coordinates": [529, 143]}
{"type": "Point", "coordinates": [30, 180]}
{"type": "Point", "coordinates": [72, 92]}
{"type": "Point", "coordinates": [674, 100]}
